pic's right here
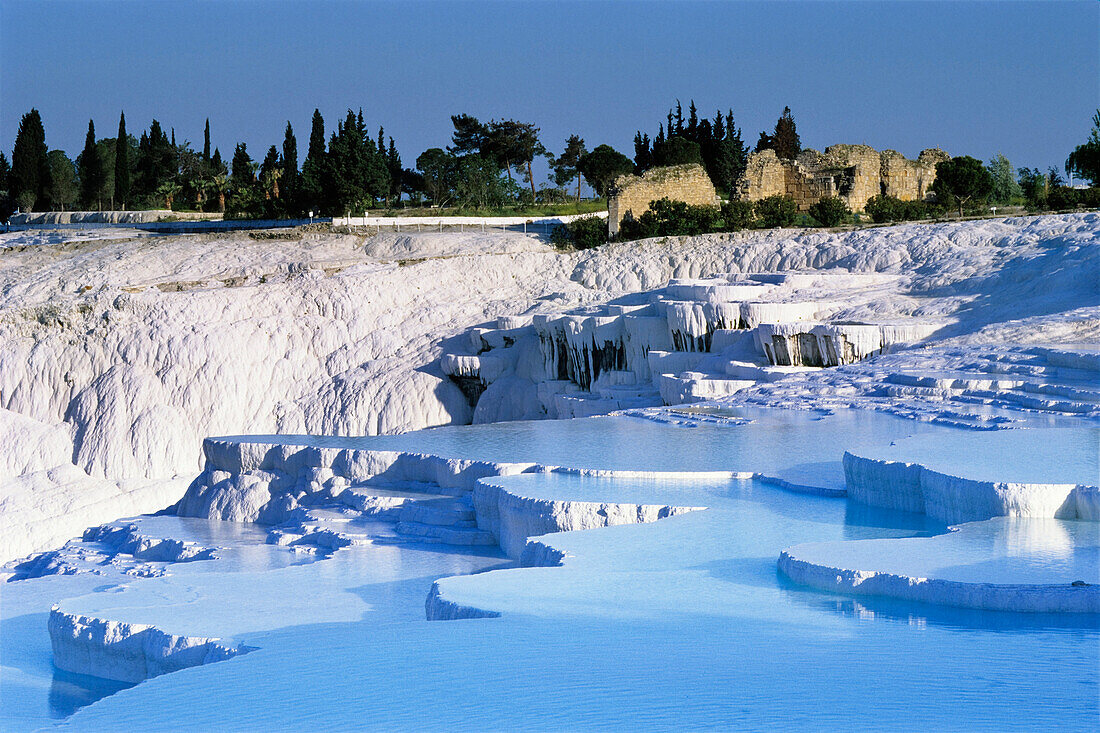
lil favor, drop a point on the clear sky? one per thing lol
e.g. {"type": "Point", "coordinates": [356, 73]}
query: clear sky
{"type": "Point", "coordinates": [977, 78]}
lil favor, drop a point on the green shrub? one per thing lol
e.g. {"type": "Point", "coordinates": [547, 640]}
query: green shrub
{"type": "Point", "coordinates": [888, 208]}
{"type": "Point", "coordinates": [915, 210]}
{"type": "Point", "coordinates": [631, 228]}
{"type": "Point", "coordinates": [831, 212]}
{"type": "Point", "coordinates": [776, 211]}
{"type": "Point", "coordinates": [884, 208]}
{"type": "Point", "coordinates": [668, 218]}
{"type": "Point", "coordinates": [738, 215]}
{"type": "Point", "coordinates": [583, 233]}
{"type": "Point", "coordinates": [1090, 197]}
{"type": "Point", "coordinates": [1063, 198]}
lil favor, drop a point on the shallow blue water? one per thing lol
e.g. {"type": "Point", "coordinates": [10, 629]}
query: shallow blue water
{"type": "Point", "coordinates": [681, 624]}
{"type": "Point", "coordinates": [801, 447]}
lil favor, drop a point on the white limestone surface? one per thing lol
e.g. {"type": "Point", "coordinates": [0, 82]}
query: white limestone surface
{"type": "Point", "coordinates": [1022, 472]}
{"type": "Point", "coordinates": [1005, 564]}
{"type": "Point", "coordinates": [140, 347]}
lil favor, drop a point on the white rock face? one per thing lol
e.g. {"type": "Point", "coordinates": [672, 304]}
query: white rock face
{"type": "Point", "coordinates": [127, 652]}
{"type": "Point", "coordinates": [1050, 568]}
{"type": "Point", "coordinates": [143, 350]}
{"type": "Point", "coordinates": [954, 499]}
{"type": "Point", "coordinates": [45, 499]}
{"type": "Point", "coordinates": [32, 445]}
{"type": "Point", "coordinates": [137, 348]}
{"type": "Point", "coordinates": [513, 518]}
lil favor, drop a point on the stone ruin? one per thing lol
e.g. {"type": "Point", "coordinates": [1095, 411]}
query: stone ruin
{"type": "Point", "coordinates": [853, 173]}
{"type": "Point", "coordinates": [633, 194]}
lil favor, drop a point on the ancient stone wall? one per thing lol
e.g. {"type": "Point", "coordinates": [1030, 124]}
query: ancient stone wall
{"type": "Point", "coordinates": [633, 194]}
{"type": "Point", "coordinates": [855, 173]}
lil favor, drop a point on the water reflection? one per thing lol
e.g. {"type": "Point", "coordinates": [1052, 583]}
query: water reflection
{"type": "Point", "coordinates": [923, 615]}
{"type": "Point", "coordinates": [69, 692]}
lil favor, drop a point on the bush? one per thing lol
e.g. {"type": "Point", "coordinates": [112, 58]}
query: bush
{"type": "Point", "coordinates": [776, 211]}
{"type": "Point", "coordinates": [830, 212]}
{"type": "Point", "coordinates": [887, 208]}
{"type": "Point", "coordinates": [883, 208]}
{"type": "Point", "coordinates": [668, 218]}
{"type": "Point", "coordinates": [1063, 198]}
{"type": "Point", "coordinates": [1090, 197]}
{"type": "Point", "coordinates": [738, 215]}
{"type": "Point", "coordinates": [7, 206]}
{"type": "Point", "coordinates": [631, 228]}
{"type": "Point", "coordinates": [583, 233]}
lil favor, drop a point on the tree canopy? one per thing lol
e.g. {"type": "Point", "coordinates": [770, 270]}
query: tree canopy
{"type": "Point", "coordinates": [92, 177]}
{"type": "Point", "coordinates": [602, 166]}
{"type": "Point", "coordinates": [30, 167]}
{"type": "Point", "coordinates": [961, 181]}
{"type": "Point", "coordinates": [716, 143]}
{"type": "Point", "coordinates": [1084, 161]}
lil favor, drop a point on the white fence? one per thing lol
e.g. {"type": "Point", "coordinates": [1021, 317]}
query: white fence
{"type": "Point", "coordinates": [532, 225]}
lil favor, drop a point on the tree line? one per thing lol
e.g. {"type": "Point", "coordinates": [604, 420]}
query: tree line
{"type": "Point", "coordinates": [488, 165]}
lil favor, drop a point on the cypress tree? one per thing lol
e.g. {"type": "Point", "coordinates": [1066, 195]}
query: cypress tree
{"type": "Point", "coordinates": [785, 140]}
{"type": "Point", "coordinates": [271, 171]}
{"type": "Point", "coordinates": [7, 203]}
{"type": "Point", "coordinates": [217, 164]}
{"type": "Point", "coordinates": [31, 181]}
{"type": "Point", "coordinates": [313, 167]}
{"type": "Point", "coordinates": [5, 172]}
{"type": "Point", "coordinates": [290, 168]}
{"type": "Point", "coordinates": [91, 172]}
{"type": "Point", "coordinates": [122, 164]}
{"type": "Point", "coordinates": [206, 142]}
{"type": "Point", "coordinates": [393, 166]}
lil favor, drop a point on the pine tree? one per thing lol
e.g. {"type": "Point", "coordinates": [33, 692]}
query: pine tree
{"type": "Point", "coordinates": [206, 142]}
{"type": "Point", "coordinates": [91, 172]}
{"type": "Point", "coordinates": [679, 120]}
{"type": "Point", "coordinates": [565, 166]}
{"type": "Point", "coordinates": [469, 136]}
{"type": "Point", "coordinates": [122, 164]}
{"type": "Point", "coordinates": [31, 182]}
{"type": "Point", "coordinates": [693, 123]}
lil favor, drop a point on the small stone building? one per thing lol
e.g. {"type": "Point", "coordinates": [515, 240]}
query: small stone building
{"type": "Point", "coordinates": [633, 194]}
{"type": "Point", "coordinates": [854, 173]}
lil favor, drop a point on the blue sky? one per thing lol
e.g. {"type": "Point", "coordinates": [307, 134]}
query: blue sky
{"type": "Point", "coordinates": [974, 78]}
